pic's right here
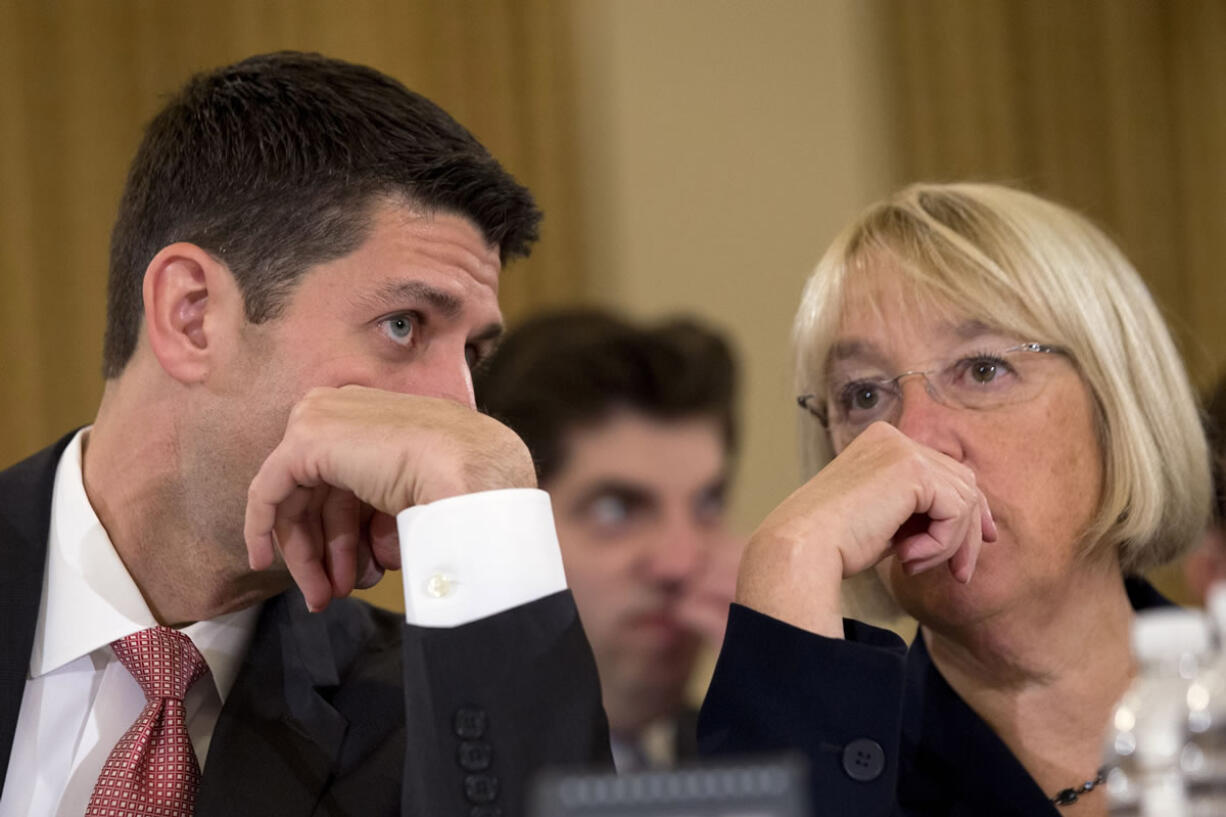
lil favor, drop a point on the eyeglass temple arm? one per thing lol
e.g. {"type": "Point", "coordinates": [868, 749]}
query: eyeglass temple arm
{"type": "Point", "coordinates": [802, 400]}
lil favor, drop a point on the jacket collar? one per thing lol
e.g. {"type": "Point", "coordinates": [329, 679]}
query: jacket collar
{"type": "Point", "coordinates": [279, 737]}
{"type": "Point", "coordinates": [25, 517]}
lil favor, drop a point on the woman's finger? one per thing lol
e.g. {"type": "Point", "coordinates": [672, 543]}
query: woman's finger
{"type": "Point", "coordinates": [962, 563]}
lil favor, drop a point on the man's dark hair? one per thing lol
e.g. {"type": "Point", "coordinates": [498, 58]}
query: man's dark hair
{"type": "Point", "coordinates": [275, 163]}
{"type": "Point", "coordinates": [1215, 432]}
{"type": "Point", "coordinates": [567, 370]}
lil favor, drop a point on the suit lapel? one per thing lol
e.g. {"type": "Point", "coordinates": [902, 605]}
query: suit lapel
{"type": "Point", "coordinates": [277, 739]}
{"type": "Point", "coordinates": [25, 518]}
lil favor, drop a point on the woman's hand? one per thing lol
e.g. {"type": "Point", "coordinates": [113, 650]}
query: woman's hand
{"type": "Point", "coordinates": [885, 494]}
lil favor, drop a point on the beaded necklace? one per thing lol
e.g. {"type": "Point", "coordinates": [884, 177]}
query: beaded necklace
{"type": "Point", "coordinates": [1066, 797]}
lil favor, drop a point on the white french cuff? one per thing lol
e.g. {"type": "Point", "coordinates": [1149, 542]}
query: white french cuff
{"type": "Point", "coordinates": [472, 556]}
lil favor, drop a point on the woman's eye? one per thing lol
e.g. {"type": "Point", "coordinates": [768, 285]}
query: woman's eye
{"type": "Point", "coordinates": [863, 397]}
{"type": "Point", "coordinates": [399, 328]}
{"type": "Point", "coordinates": [985, 369]}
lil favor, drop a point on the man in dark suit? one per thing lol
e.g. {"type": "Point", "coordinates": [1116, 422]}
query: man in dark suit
{"type": "Point", "coordinates": [304, 267]}
{"type": "Point", "coordinates": [632, 429]}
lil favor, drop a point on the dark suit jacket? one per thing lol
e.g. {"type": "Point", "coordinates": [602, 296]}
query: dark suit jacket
{"type": "Point", "coordinates": [883, 732]}
{"type": "Point", "coordinates": [351, 711]}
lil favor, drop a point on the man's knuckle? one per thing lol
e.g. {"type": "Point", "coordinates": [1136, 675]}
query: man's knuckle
{"type": "Point", "coordinates": [311, 407]}
{"type": "Point", "coordinates": [299, 413]}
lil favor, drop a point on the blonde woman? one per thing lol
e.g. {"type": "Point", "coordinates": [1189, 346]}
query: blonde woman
{"type": "Point", "coordinates": [1005, 436]}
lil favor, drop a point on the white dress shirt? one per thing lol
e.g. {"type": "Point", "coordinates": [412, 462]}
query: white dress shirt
{"type": "Point", "coordinates": [655, 747]}
{"type": "Point", "coordinates": [464, 558]}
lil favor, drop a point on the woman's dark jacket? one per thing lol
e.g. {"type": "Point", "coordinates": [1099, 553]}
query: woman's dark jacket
{"type": "Point", "coordinates": [883, 732]}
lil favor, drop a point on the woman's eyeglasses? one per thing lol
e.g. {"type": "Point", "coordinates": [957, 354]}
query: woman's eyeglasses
{"type": "Point", "coordinates": [980, 381]}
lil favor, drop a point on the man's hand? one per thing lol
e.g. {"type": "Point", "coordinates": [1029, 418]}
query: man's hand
{"type": "Point", "coordinates": [350, 460]}
{"type": "Point", "coordinates": [885, 494]}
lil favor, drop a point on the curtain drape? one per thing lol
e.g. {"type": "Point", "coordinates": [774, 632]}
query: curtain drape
{"type": "Point", "coordinates": [79, 78]}
{"type": "Point", "coordinates": [1116, 108]}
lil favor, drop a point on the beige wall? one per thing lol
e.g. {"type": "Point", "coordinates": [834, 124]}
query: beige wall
{"type": "Point", "coordinates": [721, 145]}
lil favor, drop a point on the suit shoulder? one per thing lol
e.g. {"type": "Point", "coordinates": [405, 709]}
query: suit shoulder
{"type": "Point", "coordinates": [25, 493]}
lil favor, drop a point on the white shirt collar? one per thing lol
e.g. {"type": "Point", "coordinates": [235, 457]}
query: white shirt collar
{"type": "Point", "coordinates": [90, 600]}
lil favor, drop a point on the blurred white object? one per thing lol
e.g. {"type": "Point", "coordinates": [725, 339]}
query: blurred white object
{"type": "Point", "coordinates": [1147, 746]}
{"type": "Point", "coordinates": [1204, 758]}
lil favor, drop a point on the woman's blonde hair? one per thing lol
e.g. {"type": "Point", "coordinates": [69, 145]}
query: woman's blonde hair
{"type": "Point", "coordinates": [1034, 269]}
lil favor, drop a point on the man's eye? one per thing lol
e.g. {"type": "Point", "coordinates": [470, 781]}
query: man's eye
{"type": "Point", "coordinates": [472, 356]}
{"type": "Point", "coordinates": [608, 511]}
{"type": "Point", "coordinates": [710, 506]}
{"type": "Point", "coordinates": [399, 328]}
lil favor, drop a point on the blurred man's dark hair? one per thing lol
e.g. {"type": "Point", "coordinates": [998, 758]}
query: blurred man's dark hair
{"type": "Point", "coordinates": [572, 369]}
{"type": "Point", "coordinates": [273, 165]}
{"type": "Point", "coordinates": [1205, 566]}
{"type": "Point", "coordinates": [1215, 430]}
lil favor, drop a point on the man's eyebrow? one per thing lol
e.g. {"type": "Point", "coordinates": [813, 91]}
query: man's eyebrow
{"type": "Point", "coordinates": [630, 492]}
{"type": "Point", "coordinates": [717, 484]}
{"type": "Point", "coordinates": [490, 333]}
{"type": "Point", "coordinates": [716, 488]}
{"type": "Point", "coordinates": [391, 295]}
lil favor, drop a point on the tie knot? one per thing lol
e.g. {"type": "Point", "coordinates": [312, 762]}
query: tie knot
{"type": "Point", "coordinates": [163, 661]}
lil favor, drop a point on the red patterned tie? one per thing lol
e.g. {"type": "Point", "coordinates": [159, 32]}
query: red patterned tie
{"type": "Point", "coordinates": [153, 769]}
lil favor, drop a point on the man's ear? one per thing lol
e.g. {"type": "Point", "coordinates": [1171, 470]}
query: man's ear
{"type": "Point", "coordinates": [193, 310]}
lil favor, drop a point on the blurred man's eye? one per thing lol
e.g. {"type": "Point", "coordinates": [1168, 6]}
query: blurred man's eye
{"type": "Point", "coordinates": [710, 505]}
{"type": "Point", "coordinates": [609, 511]}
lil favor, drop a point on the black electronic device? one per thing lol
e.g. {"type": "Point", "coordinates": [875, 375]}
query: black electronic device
{"type": "Point", "coordinates": [758, 788]}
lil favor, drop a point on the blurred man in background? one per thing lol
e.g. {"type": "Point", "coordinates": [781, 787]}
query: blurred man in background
{"type": "Point", "coordinates": [632, 431]}
{"type": "Point", "coordinates": [1206, 565]}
